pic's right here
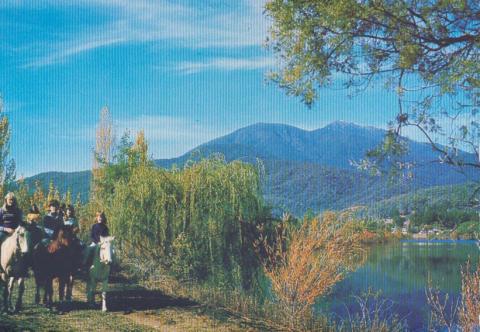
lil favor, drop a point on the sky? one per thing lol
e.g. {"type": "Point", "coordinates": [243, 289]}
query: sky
{"type": "Point", "coordinates": [184, 71]}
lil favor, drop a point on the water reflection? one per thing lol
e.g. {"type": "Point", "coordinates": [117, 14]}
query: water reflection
{"type": "Point", "coordinates": [400, 271]}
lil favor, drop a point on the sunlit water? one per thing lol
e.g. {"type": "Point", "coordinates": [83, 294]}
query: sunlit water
{"type": "Point", "coordinates": [400, 271]}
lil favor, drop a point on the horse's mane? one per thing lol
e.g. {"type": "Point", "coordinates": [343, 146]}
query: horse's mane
{"type": "Point", "coordinates": [62, 238]}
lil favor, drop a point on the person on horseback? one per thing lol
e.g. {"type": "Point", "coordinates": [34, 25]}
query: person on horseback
{"type": "Point", "coordinates": [33, 215]}
{"type": "Point", "coordinates": [33, 218]}
{"type": "Point", "coordinates": [99, 228]}
{"type": "Point", "coordinates": [69, 219]}
{"type": "Point", "coordinates": [10, 216]}
{"type": "Point", "coordinates": [36, 232]}
{"type": "Point", "coordinates": [53, 220]}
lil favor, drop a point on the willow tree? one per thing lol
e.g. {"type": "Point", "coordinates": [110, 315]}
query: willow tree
{"type": "Point", "coordinates": [426, 51]}
{"type": "Point", "coordinates": [221, 208]}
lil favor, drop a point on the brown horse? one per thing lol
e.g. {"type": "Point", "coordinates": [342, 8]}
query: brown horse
{"type": "Point", "coordinates": [54, 260]}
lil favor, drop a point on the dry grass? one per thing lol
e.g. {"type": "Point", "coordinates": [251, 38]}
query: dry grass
{"type": "Point", "coordinates": [463, 314]}
{"type": "Point", "coordinates": [469, 316]}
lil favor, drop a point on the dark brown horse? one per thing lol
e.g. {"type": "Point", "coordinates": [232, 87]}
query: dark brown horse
{"type": "Point", "coordinates": [55, 259]}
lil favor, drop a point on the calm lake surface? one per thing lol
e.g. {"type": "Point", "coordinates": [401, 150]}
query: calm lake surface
{"type": "Point", "coordinates": [401, 271]}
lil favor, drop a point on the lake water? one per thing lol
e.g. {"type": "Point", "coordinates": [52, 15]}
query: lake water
{"type": "Point", "coordinates": [400, 271]}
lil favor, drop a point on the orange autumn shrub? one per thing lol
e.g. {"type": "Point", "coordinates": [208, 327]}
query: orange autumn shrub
{"type": "Point", "coordinates": [306, 262]}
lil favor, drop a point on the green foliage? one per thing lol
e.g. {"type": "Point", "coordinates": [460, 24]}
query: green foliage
{"type": "Point", "coordinates": [450, 197]}
{"type": "Point", "coordinates": [361, 39]}
{"type": "Point", "coordinates": [441, 215]}
{"type": "Point", "coordinates": [397, 219]}
{"type": "Point", "coordinates": [423, 50]}
{"type": "Point", "coordinates": [469, 229]}
{"type": "Point", "coordinates": [200, 221]}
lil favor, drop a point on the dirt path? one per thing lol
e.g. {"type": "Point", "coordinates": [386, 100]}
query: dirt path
{"type": "Point", "coordinates": [131, 308]}
{"type": "Point", "coordinates": [155, 310]}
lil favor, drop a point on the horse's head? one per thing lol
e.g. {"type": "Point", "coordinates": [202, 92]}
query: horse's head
{"type": "Point", "coordinates": [65, 236]}
{"type": "Point", "coordinates": [107, 252]}
{"type": "Point", "coordinates": [22, 238]}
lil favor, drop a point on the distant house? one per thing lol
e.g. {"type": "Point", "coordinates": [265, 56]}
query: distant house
{"type": "Point", "coordinates": [420, 235]}
{"type": "Point", "coordinates": [406, 226]}
{"type": "Point", "coordinates": [388, 221]}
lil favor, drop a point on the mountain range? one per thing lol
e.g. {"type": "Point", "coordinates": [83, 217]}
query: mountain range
{"type": "Point", "coordinates": [305, 169]}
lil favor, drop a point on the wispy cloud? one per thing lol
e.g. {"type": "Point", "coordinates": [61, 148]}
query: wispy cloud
{"type": "Point", "coordinates": [225, 64]}
{"type": "Point", "coordinates": [62, 54]}
{"type": "Point", "coordinates": [144, 21]}
{"type": "Point", "coordinates": [169, 136]}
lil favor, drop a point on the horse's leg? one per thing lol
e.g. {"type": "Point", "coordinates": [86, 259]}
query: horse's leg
{"type": "Point", "coordinates": [45, 288]}
{"type": "Point", "coordinates": [11, 284]}
{"type": "Point", "coordinates": [21, 289]}
{"type": "Point", "coordinates": [69, 287]}
{"type": "Point", "coordinates": [38, 286]}
{"type": "Point", "coordinates": [91, 285]}
{"type": "Point", "coordinates": [5, 295]}
{"type": "Point", "coordinates": [49, 292]}
{"type": "Point", "coordinates": [61, 288]}
{"type": "Point", "coordinates": [88, 286]}
{"type": "Point", "coordinates": [37, 290]}
{"type": "Point", "coordinates": [104, 294]}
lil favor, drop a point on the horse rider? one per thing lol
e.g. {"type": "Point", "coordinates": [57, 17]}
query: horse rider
{"type": "Point", "coordinates": [69, 219]}
{"type": "Point", "coordinates": [53, 220]}
{"type": "Point", "coordinates": [10, 216]}
{"type": "Point", "coordinates": [99, 228]}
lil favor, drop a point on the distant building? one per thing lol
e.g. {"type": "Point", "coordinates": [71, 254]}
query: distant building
{"type": "Point", "coordinates": [420, 235]}
{"type": "Point", "coordinates": [388, 221]}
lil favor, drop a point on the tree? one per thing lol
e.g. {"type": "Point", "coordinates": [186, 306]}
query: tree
{"type": "Point", "coordinates": [103, 153]}
{"type": "Point", "coordinates": [426, 51]}
{"type": "Point", "coordinates": [39, 196]}
{"type": "Point", "coordinates": [7, 166]}
{"type": "Point", "coordinates": [104, 139]}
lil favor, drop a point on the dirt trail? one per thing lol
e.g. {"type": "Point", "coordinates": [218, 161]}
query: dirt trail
{"type": "Point", "coordinates": [157, 311]}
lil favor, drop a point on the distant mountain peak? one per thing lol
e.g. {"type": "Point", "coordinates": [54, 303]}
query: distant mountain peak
{"type": "Point", "coordinates": [340, 124]}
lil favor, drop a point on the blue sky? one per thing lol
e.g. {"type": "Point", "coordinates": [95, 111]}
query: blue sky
{"type": "Point", "coordinates": [184, 71]}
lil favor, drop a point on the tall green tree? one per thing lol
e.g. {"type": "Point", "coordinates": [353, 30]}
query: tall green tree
{"type": "Point", "coordinates": [426, 51]}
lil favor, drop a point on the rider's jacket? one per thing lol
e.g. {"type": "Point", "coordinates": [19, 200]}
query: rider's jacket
{"type": "Point", "coordinates": [9, 217]}
{"type": "Point", "coordinates": [51, 222]}
{"type": "Point", "coordinates": [71, 222]}
{"type": "Point", "coordinates": [98, 229]}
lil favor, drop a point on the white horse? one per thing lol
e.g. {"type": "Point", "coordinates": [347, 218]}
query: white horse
{"type": "Point", "coordinates": [103, 258]}
{"type": "Point", "coordinates": [14, 265]}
